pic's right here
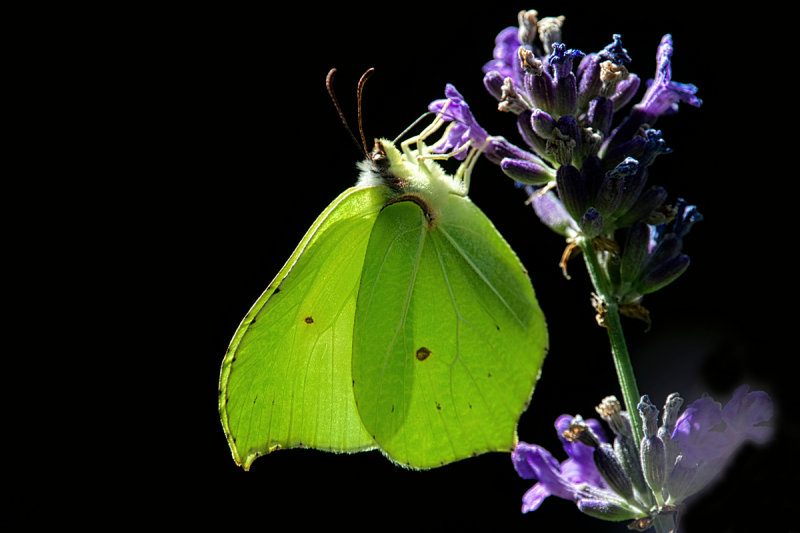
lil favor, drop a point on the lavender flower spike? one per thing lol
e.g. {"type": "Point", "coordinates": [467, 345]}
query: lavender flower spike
{"type": "Point", "coordinates": [605, 482]}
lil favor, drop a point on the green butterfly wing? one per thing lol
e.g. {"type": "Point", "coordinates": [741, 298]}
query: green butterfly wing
{"type": "Point", "coordinates": [403, 321]}
{"type": "Point", "coordinates": [286, 380]}
{"type": "Point", "coordinates": [449, 339]}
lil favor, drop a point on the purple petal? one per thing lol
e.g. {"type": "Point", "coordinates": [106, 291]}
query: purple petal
{"type": "Point", "coordinates": [534, 497]}
{"type": "Point", "coordinates": [534, 462]}
{"type": "Point", "coordinates": [505, 53]}
{"type": "Point", "coordinates": [745, 411]}
{"type": "Point", "coordinates": [698, 431]}
{"type": "Point", "coordinates": [530, 459]}
{"type": "Point", "coordinates": [465, 129]}
{"type": "Point", "coordinates": [553, 214]}
{"type": "Point", "coordinates": [663, 94]}
{"type": "Point", "coordinates": [707, 432]}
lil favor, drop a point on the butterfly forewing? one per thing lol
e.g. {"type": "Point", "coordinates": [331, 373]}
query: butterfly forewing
{"type": "Point", "coordinates": [448, 336]}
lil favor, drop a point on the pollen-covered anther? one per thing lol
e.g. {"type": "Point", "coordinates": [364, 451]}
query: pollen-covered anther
{"type": "Point", "coordinates": [510, 100]}
{"type": "Point", "coordinates": [611, 74]}
{"type": "Point", "coordinates": [529, 62]}
{"type": "Point", "coordinates": [608, 407]}
{"type": "Point", "coordinates": [550, 31]}
{"type": "Point", "coordinates": [527, 25]}
{"type": "Point", "coordinates": [579, 431]}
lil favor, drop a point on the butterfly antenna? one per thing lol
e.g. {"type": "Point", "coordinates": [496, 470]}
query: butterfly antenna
{"type": "Point", "coordinates": [361, 82]}
{"type": "Point", "coordinates": [329, 86]}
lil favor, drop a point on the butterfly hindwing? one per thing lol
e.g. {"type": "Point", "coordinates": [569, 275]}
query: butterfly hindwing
{"type": "Point", "coordinates": [286, 379]}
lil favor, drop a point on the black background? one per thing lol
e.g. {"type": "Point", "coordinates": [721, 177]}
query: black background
{"type": "Point", "coordinates": [240, 149]}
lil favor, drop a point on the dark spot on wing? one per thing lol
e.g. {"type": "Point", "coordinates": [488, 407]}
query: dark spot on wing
{"type": "Point", "coordinates": [497, 326]}
{"type": "Point", "coordinates": [438, 406]}
{"type": "Point", "coordinates": [423, 353]}
{"type": "Point", "coordinates": [309, 320]}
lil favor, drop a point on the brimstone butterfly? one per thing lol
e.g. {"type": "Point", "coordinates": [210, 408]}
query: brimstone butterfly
{"type": "Point", "coordinates": [402, 321]}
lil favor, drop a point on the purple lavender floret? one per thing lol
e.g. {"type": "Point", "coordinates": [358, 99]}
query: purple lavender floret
{"type": "Point", "coordinates": [575, 478]}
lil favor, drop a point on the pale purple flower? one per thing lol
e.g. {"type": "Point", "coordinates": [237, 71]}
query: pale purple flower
{"type": "Point", "coordinates": [706, 431]}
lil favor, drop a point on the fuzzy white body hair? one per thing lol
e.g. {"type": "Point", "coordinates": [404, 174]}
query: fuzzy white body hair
{"type": "Point", "coordinates": [429, 182]}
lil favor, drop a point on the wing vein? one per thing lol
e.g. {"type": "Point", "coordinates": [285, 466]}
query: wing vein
{"type": "Point", "coordinates": [481, 274]}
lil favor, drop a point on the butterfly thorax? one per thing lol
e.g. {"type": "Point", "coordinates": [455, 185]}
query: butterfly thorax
{"type": "Point", "coordinates": [407, 177]}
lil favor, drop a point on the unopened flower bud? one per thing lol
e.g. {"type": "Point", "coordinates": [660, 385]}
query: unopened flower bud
{"type": "Point", "coordinates": [527, 172]}
{"type": "Point", "coordinates": [648, 201]}
{"type": "Point", "coordinates": [634, 254]}
{"type": "Point", "coordinates": [652, 449]}
{"type": "Point", "coordinates": [628, 457]}
{"type": "Point", "coordinates": [591, 223]}
{"type": "Point", "coordinates": [607, 463]}
{"type": "Point", "coordinates": [672, 409]}
{"type": "Point", "coordinates": [664, 274]}
{"type": "Point", "coordinates": [571, 190]}
{"type": "Point", "coordinates": [606, 510]}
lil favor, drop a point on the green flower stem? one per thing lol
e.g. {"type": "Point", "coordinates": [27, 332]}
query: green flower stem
{"type": "Point", "coordinates": [619, 349]}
